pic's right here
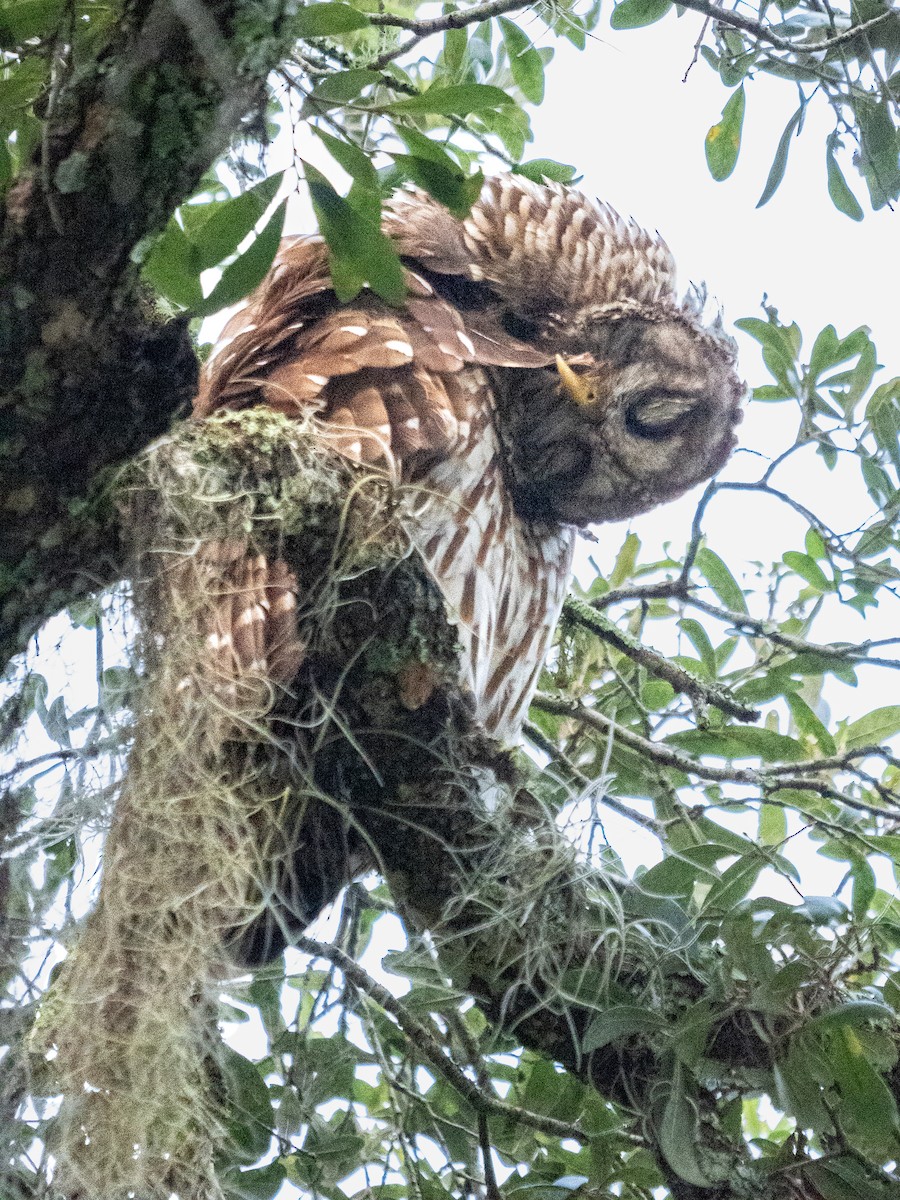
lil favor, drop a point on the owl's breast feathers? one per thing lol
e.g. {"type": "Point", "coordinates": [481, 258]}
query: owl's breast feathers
{"type": "Point", "coordinates": [422, 390]}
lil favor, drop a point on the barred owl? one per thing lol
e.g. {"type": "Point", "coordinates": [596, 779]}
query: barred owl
{"type": "Point", "coordinates": [542, 375]}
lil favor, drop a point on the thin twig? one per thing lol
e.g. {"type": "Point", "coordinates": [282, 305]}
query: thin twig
{"type": "Point", "coordinates": [758, 30]}
{"type": "Point", "coordinates": [856, 654]}
{"type": "Point", "coordinates": [427, 1045]}
{"type": "Point", "coordinates": [699, 42]}
{"type": "Point", "coordinates": [674, 589]}
{"type": "Point", "coordinates": [452, 20]}
{"type": "Point", "coordinates": [565, 764]}
{"type": "Point", "coordinates": [430, 26]}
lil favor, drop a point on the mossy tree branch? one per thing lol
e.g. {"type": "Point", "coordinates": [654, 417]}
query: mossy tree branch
{"type": "Point", "coordinates": [89, 373]}
{"type": "Point", "coordinates": [546, 947]}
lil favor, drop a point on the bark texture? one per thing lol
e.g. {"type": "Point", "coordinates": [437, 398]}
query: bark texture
{"type": "Point", "coordinates": [89, 373]}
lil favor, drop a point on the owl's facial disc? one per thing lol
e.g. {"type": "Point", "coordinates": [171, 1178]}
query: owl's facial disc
{"type": "Point", "coordinates": [652, 405]}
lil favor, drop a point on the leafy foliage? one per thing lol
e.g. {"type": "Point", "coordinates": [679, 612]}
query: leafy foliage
{"type": "Point", "coordinates": [764, 883]}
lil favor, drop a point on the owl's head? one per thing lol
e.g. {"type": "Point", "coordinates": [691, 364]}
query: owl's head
{"type": "Point", "coordinates": [645, 396]}
{"type": "Point", "coordinates": [643, 405]}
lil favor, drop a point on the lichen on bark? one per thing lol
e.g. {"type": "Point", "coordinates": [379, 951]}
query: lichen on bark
{"type": "Point", "coordinates": [89, 372]}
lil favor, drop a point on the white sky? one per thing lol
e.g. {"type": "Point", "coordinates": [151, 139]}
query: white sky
{"type": "Point", "coordinates": [620, 113]}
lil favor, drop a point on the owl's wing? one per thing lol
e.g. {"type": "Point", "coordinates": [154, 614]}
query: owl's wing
{"type": "Point", "coordinates": [294, 348]}
{"type": "Point", "coordinates": [384, 385]}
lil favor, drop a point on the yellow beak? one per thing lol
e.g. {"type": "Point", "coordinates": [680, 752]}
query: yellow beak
{"type": "Point", "coordinates": [576, 386]}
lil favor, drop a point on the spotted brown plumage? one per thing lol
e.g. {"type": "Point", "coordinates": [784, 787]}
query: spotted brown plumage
{"type": "Point", "coordinates": [541, 375]}
{"type": "Point", "coordinates": [457, 395]}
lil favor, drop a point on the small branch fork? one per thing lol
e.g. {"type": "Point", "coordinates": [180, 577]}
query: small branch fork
{"type": "Point", "coordinates": [771, 778]}
{"type": "Point", "coordinates": [682, 588]}
{"type": "Point", "coordinates": [427, 1043]}
{"type": "Point", "coordinates": [457, 19]}
{"type": "Point", "coordinates": [760, 31]}
{"type": "Point", "coordinates": [461, 17]}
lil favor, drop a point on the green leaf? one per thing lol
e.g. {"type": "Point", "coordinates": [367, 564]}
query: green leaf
{"type": "Point", "coordinates": [626, 560]}
{"type": "Point", "coordinates": [720, 579]}
{"type": "Point", "coordinates": [841, 1180]}
{"type": "Point", "coordinates": [457, 191]}
{"type": "Point", "coordinates": [842, 198]}
{"type": "Point", "coordinates": [19, 88]}
{"type": "Point", "coordinates": [539, 170]}
{"type": "Point", "coordinates": [456, 101]}
{"type": "Point", "coordinates": [524, 61]}
{"type": "Point", "coordinates": [879, 159]}
{"type": "Point", "coordinates": [242, 276]}
{"type": "Point", "coordinates": [864, 888]}
{"type": "Point", "coordinates": [512, 126]}
{"type": "Point", "coordinates": [809, 724]}
{"type": "Point", "coordinates": [723, 141]}
{"type": "Point", "coordinates": [56, 722]}
{"type": "Point", "coordinates": [883, 415]}
{"type": "Point", "coordinates": [679, 1139]}
{"type": "Point", "coordinates": [342, 86]}
{"type": "Point", "coordinates": [327, 19]}
{"type": "Point", "coordinates": [740, 742]}
{"type": "Point", "coordinates": [23, 20]}
{"type": "Point", "coordinates": [674, 876]}
{"type": "Point", "coordinates": [877, 726]}
{"type": "Point", "coordinates": [431, 167]}
{"type": "Point", "coordinates": [355, 161]}
{"type": "Point", "coordinates": [891, 990]}
{"type": "Point", "coordinates": [259, 1183]}
{"type": "Point", "coordinates": [798, 1092]}
{"type": "Point", "coordinates": [633, 14]}
{"type": "Point", "coordinates": [657, 693]}
{"type": "Point", "coordinates": [850, 1014]}
{"type": "Point", "coordinates": [779, 163]}
{"type": "Point", "coordinates": [867, 1106]}
{"type": "Point", "coordinates": [815, 546]}
{"type": "Point", "coordinates": [807, 568]}
{"type": "Point", "coordinates": [699, 639]}
{"type": "Point", "coordinates": [782, 342]}
{"type": "Point", "coordinates": [735, 883]}
{"type": "Point", "coordinates": [772, 824]}
{"type": "Point", "coordinates": [171, 268]}
{"type": "Point", "coordinates": [453, 59]}
{"type": "Point", "coordinates": [250, 1115]}
{"type": "Point", "coordinates": [230, 221]}
{"type": "Point", "coordinates": [359, 253]}
{"type": "Point", "coordinates": [622, 1021]}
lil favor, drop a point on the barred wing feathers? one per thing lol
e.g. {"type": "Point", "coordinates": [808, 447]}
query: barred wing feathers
{"type": "Point", "coordinates": [406, 388]}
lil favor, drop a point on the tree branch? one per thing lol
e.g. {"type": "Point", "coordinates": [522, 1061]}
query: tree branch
{"type": "Point", "coordinates": [89, 374]}
{"type": "Point", "coordinates": [699, 690]}
{"type": "Point", "coordinates": [426, 1043]}
{"type": "Point", "coordinates": [799, 776]}
{"type": "Point", "coordinates": [761, 32]}
{"type": "Point", "coordinates": [457, 19]}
